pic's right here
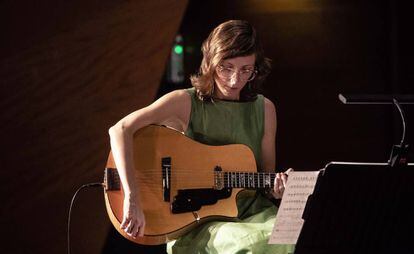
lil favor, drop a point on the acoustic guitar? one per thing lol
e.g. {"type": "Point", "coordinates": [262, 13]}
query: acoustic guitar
{"type": "Point", "coordinates": [182, 183]}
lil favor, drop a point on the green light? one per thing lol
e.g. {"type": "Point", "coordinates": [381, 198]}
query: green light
{"type": "Point", "coordinates": [178, 49]}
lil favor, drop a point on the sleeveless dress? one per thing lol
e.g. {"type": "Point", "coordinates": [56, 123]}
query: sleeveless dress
{"type": "Point", "coordinates": [221, 123]}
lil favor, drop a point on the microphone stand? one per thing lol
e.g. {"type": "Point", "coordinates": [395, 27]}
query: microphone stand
{"type": "Point", "coordinates": [398, 156]}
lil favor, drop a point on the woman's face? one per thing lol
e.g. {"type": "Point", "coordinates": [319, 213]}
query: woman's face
{"type": "Point", "coordinates": [232, 75]}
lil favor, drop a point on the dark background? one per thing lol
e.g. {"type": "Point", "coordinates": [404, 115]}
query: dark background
{"type": "Point", "coordinates": [70, 70]}
{"type": "Point", "coordinates": [320, 49]}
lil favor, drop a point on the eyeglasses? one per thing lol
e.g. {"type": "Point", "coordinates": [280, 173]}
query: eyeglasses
{"type": "Point", "coordinates": [228, 72]}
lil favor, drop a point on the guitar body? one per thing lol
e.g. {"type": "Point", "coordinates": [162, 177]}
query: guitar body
{"type": "Point", "coordinates": [190, 166]}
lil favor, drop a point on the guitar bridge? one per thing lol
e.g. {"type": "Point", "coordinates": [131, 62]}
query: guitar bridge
{"type": "Point", "coordinates": [166, 176]}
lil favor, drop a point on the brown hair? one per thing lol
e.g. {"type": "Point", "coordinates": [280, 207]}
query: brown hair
{"type": "Point", "coordinates": [230, 39]}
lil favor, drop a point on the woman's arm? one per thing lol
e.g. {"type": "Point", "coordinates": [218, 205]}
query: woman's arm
{"type": "Point", "coordinates": [269, 137]}
{"type": "Point", "coordinates": [268, 148]}
{"type": "Point", "coordinates": [173, 109]}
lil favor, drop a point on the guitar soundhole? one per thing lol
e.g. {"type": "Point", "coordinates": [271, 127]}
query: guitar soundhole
{"type": "Point", "coordinates": [193, 199]}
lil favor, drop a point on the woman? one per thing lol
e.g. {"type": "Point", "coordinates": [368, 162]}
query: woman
{"type": "Point", "coordinates": [223, 107]}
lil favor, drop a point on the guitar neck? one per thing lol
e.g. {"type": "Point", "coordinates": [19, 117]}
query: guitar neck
{"type": "Point", "coordinates": [246, 180]}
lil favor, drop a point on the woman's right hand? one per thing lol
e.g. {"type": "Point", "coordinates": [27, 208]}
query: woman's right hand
{"type": "Point", "coordinates": [133, 221]}
{"type": "Point", "coordinates": [172, 109]}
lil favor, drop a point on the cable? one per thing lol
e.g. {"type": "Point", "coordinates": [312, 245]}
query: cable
{"type": "Point", "coordinates": [403, 120]}
{"type": "Point", "coordinates": [71, 205]}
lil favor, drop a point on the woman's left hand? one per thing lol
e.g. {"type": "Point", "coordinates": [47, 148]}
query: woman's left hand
{"type": "Point", "coordinates": [280, 183]}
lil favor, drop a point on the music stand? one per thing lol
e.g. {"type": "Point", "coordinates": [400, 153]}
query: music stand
{"type": "Point", "coordinates": [360, 208]}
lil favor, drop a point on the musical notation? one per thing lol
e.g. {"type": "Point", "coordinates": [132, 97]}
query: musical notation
{"type": "Point", "coordinates": [289, 220]}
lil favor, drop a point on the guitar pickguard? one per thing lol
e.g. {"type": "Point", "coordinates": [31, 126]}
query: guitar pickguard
{"type": "Point", "coordinates": [193, 199]}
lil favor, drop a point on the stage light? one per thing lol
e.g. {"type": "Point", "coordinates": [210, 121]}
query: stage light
{"type": "Point", "coordinates": [178, 49]}
{"type": "Point", "coordinates": [175, 68]}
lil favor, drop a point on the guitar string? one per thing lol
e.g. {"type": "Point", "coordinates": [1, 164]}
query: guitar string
{"type": "Point", "coordinates": [257, 181]}
{"type": "Point", "coordinates": [238, 175]}
{"type": "Point", "coordinates": [228, 178]}
{"type": "Point", "coordinates": [202, 170]}
{"type": "Point", "coordinates": [246, 181]}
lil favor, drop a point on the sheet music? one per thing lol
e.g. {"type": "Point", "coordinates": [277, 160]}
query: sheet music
{"type": "Point", "coordinates": [289, 220]}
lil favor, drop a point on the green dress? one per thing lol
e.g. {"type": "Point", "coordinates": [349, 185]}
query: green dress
{"type": "Point", "coordinates": [228, 122]}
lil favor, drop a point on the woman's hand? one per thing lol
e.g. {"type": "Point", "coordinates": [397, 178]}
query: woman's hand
{"type": "Point", "coordinates": [280, 184]}
{"type": "Point", "coordinates": [133, 221]}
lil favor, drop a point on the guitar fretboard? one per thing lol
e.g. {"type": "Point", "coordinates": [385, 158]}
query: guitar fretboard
{"type": "Point", "coordinates": [247, 180]}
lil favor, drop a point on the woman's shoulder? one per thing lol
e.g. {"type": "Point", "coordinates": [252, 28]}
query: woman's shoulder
{"type": "Point", "coordinates": [180, 95]}
{"type": "Point", "coordinates": [269, 106]}
{"type": "Point", "coordinates": [173, 109]}
{"type": "Point", "coordinates": [174, 102]}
